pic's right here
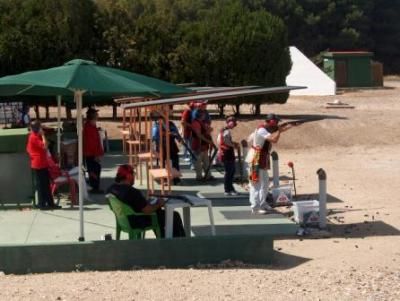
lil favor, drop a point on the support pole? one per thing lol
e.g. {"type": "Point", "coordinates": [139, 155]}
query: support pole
{"type": "Point", "coordinates": [168, 148]}
{"type": "Point", "coordinates": [78, 100]}
{"type": "Point", "coordinates": [322, 198]}
{"type": "Point", "coordinates": [275, 169]}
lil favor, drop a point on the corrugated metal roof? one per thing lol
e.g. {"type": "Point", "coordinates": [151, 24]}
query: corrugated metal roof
{"type": "Point", "coordinates": [212, 96]}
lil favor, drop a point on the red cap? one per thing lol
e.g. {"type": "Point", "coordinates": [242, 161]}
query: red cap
{"type": "Point", "coordinates": [124, 171]}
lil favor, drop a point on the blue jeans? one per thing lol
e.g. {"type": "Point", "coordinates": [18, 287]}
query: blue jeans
{"type": "Point", "coordinates": [188, 142]}
{"type": "Point", "coordinates": [229, 176]}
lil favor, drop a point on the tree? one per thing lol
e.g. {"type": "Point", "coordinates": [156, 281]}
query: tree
{"type": "Point", "coordinates": [230, 45]}
{"type": "Point", "coordinates": [386, 30]}
{"type": "Point", "coordinates": [38, 34]}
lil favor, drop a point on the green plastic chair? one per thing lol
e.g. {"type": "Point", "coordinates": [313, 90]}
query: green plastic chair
{"type": "Point", "coordinates": [122, 211]}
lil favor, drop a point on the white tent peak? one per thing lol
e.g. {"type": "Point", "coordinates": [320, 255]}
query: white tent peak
{"type": "Point", "coordinates": [305, 73]}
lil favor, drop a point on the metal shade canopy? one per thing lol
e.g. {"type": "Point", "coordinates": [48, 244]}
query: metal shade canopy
{"type": "Point", "coordinates": [212, 96]}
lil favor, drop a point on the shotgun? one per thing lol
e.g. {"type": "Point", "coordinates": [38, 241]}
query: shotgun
{"type": "Point", "coordinates": [210, 163]}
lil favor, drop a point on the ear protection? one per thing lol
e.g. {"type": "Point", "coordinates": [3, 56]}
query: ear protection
{"type": "Point", "coordinates": [231, 123]}
{"type": "Point", "coordinates": [272, 122]}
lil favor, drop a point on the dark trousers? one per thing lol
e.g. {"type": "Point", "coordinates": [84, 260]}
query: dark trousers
{"type": "Point", "coordinates": [175, 163]}
{"type": "Point", "coordinates": [94, 170]}
{"type": "Point", "coordinates": [175, 160]}
{"type": "Point", "coordinates": [42, 178]}
{"type": "Point", "coordinates": [229, 176]}
{"type": "Point", "coordinates": [143, 221]}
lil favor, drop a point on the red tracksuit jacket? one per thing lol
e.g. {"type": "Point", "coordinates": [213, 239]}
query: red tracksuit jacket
{"type": "Point", "coordinates": [37, 151]}
{"type": "Point", "coordinates": [91, 141]}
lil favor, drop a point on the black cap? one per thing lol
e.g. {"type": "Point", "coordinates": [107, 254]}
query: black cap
{"type": "Point", "coordinates": [91, 110]}
{"type": "Point", "coordinates": [272, 116]}
{"type": "Point", "coordinates": [91, 113]}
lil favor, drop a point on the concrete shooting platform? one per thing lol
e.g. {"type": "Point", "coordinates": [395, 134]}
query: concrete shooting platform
{"type": "Point", "coordinates": [46, 241]}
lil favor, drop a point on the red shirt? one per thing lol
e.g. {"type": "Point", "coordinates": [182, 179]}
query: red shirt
{"type": "Point", "coordinates": [37, 151]}
{"type": "Point", "coordinates": [197, 144]}
{"type": "Point", "coordinates": [91, 141]}
{"type": "Point", "coordinates": [187, 117]}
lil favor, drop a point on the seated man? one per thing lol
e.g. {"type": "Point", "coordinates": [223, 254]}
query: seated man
{"type": "Point", "coordinates": [123, 189]}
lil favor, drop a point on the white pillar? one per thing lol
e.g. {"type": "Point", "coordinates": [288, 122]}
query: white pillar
{"type": "Point", "coordinates": [78, 100]}
{"type": "Point", "coordinates": [322, 198]}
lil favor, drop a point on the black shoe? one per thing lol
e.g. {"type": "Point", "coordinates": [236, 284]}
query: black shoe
{"type": "Point", "coordinates": [54, 206]}
{"type": "Point", "coordinates": [96, 191]}
{"type": "Point", "coordinates": [44, 208]}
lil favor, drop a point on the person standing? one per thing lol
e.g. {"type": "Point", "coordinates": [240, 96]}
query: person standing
{"type": "Point", "coordinates": [226, 154]}
{"type": "Point", "coordinates": [37, 150]}
{"type": "Point", "coordinates": [92, 150]}
{"type": "Point", "coordinates": [173, 137]}
{"type": "Point", "coordinates": [123, 189]}
{"type": "Point", "coordinates": [24, 119]}
{"type": "Point", "coordinates": [262, 139]}
{"type": "Point", "coordinates": [201, 142]}
{"type": "Point", "coordinates": [186, 124]}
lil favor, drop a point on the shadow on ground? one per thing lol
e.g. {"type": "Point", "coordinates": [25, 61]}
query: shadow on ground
{"type": "Point", "coordinates": [364, 229]}
{"type": "Point", "coordinates": [247, 229]}
{"type": "Point", "coordinates": [280, 261]}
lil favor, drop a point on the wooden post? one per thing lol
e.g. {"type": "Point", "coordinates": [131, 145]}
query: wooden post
{"type": "Point", "coordinates": [123, 128]}
{"type": "Point", "coordinates": [168, 147]}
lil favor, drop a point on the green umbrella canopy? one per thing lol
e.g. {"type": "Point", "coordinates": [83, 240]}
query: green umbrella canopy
{"type": "Point", "coordinates": [86, 76]}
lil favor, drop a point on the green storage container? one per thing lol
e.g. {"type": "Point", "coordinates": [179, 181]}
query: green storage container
{"type": "Point", "coordinates": [349, 68]}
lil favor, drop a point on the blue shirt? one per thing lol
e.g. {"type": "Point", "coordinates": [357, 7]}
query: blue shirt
{"type": "Point", "coordinates": [155, 131]}
{"type": "Point", "coordinates": [207, 117]}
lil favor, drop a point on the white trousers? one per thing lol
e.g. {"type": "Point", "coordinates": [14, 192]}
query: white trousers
{"type": "Point", "coordinates": [259, 190]}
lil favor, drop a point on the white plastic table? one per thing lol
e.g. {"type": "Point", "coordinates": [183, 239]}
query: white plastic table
{"type": "Point", "coordinates": [172, 204]}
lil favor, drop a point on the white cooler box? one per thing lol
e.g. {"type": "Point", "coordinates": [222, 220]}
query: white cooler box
{"type": "Point", "coordinates": [282, 195]}
{"type": "Point", "coordinates": [306, 212]}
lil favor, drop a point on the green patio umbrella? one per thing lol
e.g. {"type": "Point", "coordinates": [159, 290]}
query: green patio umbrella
{"type": "Point", "coordinates": [77, 78]}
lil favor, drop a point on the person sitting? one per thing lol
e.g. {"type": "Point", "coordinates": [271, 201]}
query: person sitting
{"type": "Point", "coordinates": [123, 189]}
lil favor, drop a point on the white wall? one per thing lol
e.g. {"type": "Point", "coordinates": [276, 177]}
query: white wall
{"type": "Point", "coordinates": [305, 73]}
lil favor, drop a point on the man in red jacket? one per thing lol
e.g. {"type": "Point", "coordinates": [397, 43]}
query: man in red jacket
{"type": "Point", "coordinates": [37, 150]}
{"type": "Point", "coordinates": [92, 150]}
